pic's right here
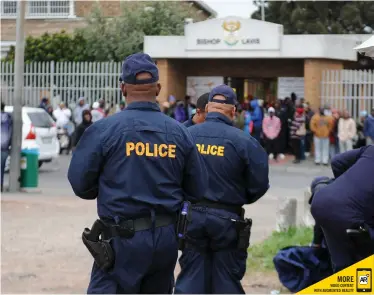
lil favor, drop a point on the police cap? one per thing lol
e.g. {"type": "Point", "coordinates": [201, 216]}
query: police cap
{"type": "Point", "coordinates": [226, 92]}
{"type": "Point", "coordinates": [138, 63]}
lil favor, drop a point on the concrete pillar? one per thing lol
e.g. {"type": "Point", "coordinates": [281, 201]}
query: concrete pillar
{"type": "Point", "coordinates": [286, 214]}
{"type": "Point", "coordinates": [163, 69]}
{"type": "Point", "coordinates": [172, 79]}
{"type": "Point", "coordinates": [313, 76]}
{"type": "Point", "coordinates": [308, 219]}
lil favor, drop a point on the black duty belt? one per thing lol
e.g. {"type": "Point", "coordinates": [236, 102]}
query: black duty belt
{"type": "Point", "coordinates": [236, 209]}
{"type": "Point", "coordinates": [127, 228]}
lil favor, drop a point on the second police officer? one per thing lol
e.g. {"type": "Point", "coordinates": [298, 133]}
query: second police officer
{"type": "Point", "coordinates": [213, 261]}
{"type": "Point", "coordinates": [140, 165]}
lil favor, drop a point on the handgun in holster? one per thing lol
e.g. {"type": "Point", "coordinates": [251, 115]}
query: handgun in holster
{"type": "Point", "coordinates": [100, 249]}
{"type": "Point", "coordinates": [361, 241]}
{"type": "Point", "coordinates": [244, 226]}
{"type": "Point", "coordinates": [183, 221]}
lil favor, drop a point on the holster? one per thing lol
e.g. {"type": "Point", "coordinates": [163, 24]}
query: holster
{"type": "Point", "coordinates": [101, 250]}
{"type": "Point", "coordinates": [361, 241]}
{"type": "Point", "coordinates": [244, 226]}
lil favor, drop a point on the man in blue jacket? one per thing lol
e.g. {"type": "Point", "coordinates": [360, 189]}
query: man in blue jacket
{"type": "Point", "coordinates": [6, 139]}
{"type": "Point", "coordinates": [214, 259]}
{"type": "Point", "coordinates": [256, 117]}
{"type": "Point", "coordinates": [199, 116]}
{"type": "Point", "coordinates": [351, 199]}
{"type": "Point", "coordinates": [369, 128]}
{"type": "Point", "coordinates": [140, 165]}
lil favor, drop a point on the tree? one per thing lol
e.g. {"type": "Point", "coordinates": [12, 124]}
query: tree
{"type": "Point", "coordinates": [320, 17]}
{"type": "Point", "coordinates": [116, 38]}
{"type": "Point", "coordinates": [53, 47]}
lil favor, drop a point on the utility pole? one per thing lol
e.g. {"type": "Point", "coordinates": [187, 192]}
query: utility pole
{"type": "Point", "coordinates": [15, 154]}
{"type": "Point", "coordinates": [263, 10]}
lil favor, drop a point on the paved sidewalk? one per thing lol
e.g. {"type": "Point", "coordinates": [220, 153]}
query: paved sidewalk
{"type": "Point", "coordinates": [42, 250]}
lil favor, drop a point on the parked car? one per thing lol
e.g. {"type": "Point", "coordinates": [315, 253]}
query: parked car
{"type": "Point", "coordinates": [38, 128]}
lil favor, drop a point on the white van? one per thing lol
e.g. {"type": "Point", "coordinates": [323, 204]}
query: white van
{"type": "Point", "coordinates": [38, 128]}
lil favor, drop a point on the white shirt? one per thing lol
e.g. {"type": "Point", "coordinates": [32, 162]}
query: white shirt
{"type": "Point", "coordinates": [62, 116]}
{"type": "Point", "coordinates": [97, 115]}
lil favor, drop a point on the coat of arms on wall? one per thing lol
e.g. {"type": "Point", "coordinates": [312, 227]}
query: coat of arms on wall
{"type": "Point", "coordinates": [231, 32]}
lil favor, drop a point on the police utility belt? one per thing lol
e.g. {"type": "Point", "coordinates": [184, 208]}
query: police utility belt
{"type": "Point", "coordinates": [97, 239]}
{"type": "Point", "coordinates": [243, 225]}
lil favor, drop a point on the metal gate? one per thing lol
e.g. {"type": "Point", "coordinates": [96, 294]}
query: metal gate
{"type": "Point", "coordinates": [63, 81]}
{"type": "Point", "coordinates": [351, 90]}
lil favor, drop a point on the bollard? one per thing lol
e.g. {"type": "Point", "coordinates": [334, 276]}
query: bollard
{"type": "Point", "coordinates": [286, 214]}
{"type": "Point", "coordinates": [308, 219]}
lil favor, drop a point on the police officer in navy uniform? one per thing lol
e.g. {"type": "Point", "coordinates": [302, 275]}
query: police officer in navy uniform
{"type": "Point", "coordinates": [349, 226]}
{"type": "Point", "coordinates": [140, 165]}
{"type": "Point", "coordinates": [199, 116]}
{"type": "Point", "coordinates": [238, 171]}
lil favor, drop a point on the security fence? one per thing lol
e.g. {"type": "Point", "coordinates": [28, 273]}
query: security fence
{"type": "Point", "coordinates": [352, 90]}
{"type": "Point", "coordinates": [63, 81]}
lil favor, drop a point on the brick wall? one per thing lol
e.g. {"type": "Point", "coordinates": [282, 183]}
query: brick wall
{"type": "Point", "coordinates": [37, 27]}
{"type": "Point", "coordinates": [313, 75]}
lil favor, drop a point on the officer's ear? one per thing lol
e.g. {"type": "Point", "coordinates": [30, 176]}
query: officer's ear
{"type": "Point", "coordinates": [206, 108]}
{"type": "Point", "coordinates": [233, 112]}
{"type": "Point", "coordinates": [123, 89]}
{"type": "Point", "coordinates": [158, 89]}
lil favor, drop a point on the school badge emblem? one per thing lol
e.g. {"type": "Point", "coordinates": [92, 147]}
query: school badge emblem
{"type": "Point", "coordinates": [231, 32]}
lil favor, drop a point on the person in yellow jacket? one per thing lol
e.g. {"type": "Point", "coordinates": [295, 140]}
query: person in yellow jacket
{"type": "Point", "coordinates": [321, 125]}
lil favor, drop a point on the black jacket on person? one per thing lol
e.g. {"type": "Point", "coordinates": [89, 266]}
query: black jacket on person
{"type": "Point", "coordinates": [82, 127]}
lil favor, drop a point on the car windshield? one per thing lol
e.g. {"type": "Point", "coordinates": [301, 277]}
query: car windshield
{"type": "Point", "coordinates": [40, 119]}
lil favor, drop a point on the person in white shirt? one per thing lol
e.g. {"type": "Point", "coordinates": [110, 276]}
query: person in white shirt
{"type": "Point", "coordinates": [346, 132]}
{"type": "Point", "coordinates": [62, 115]}
{"type": "Point", "coordinates": [97, 113]}
{"type": "Point", "coordinates": [81, 106]}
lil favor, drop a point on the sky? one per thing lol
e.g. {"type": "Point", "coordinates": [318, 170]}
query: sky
{"type": "Point", "coordinates": [242, 8]}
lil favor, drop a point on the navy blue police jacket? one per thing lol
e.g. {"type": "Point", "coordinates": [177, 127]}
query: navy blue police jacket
{"type": "Point", "coordinates": [189, 122]}
{"type": "Point", "coordinates": [236, 163]}
{"type": "Point", "coordinates": [352, 191]}
{"type": "Point", "coordinates": [137, 160]}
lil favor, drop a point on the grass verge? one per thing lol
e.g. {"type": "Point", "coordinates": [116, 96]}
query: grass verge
{"type": "Point", "coordinates": [260, 256]}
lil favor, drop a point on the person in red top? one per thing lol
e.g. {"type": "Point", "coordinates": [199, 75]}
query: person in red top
{"type": "Point", "coordinates": [271, 127]}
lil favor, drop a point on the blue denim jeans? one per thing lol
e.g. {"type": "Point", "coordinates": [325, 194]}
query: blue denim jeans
{"type": "Point", "coordinates": [302, 148]}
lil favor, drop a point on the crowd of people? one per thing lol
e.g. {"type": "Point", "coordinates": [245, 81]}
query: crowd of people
{"type": "Point", "coordinates": [287, 126]}
{"type": "Point", "coordinates": [78, 119]}
{"type": "Point", "coordinates": [291, 126]}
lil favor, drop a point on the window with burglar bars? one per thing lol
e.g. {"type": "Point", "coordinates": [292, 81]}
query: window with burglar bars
{"type": "Point", "coordinates": [38, 9]}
